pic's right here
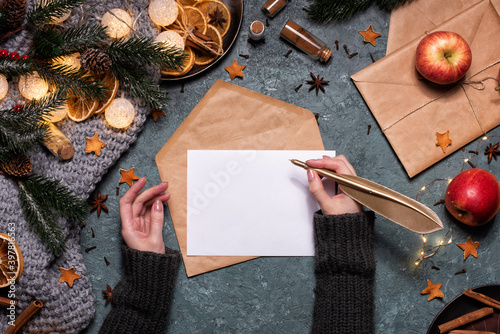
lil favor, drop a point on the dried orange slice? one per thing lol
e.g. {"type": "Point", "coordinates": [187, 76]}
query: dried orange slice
{"type": "Point", "coordinates": [187, 64]}
{"type": "Point", "coordinates": [112, 84]}
{"type": "Point", "coordinates": [11, 261]}
{"type": "Point", "coordinates": [194, 18]}
{"type": "Point", "coordinates": [79, 108]}
{"type": "Point", "coordinates": [205, 57]}
{"type": "Point", "coordinates": [186, 2]}
{"type": "Point", "coordinates": [216, 13]}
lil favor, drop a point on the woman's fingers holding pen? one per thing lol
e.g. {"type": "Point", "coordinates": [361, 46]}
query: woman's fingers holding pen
{"type": "Point", "coordinates": [338, 164]}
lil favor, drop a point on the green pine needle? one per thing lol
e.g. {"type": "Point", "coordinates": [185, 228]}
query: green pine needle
{"type": "Point", "coordinates": [44, 11]}
{"type": "Point", "coordinates": [325, 11]}
{"type": "Point", "coordinates": [51, 194]}
{"type": "Point", "coordinates": [22, 130]}
{"type": "Point", "coordinates": [143, 51]}
{"type": "Point", "coordinates": [41, 219]}
{"type": "Point", "coordinates": [137, 82]}
{"type": "Point", "coordinates": [75, 82]}
{"type": "Point", "coordinates": [15, 68]}
{"type": "Point", "coordinates": [49, 41]}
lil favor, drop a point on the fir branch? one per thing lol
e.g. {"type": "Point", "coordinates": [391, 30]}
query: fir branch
{"type": "Point", "coordinates": [15, 142]}
{"type": "Point", "coordinates": [135, 80]}
{"type": "Point", "coordinates": [14, 68]}
{"type": "Point", "coordinates": [51, 42]}
{"type": "Point", "coordinates": [23, 130]}
{"type": "Point", "coordinates": [40, 218]}
{"type": "Point", "coordinates": [143, 51]}
{"type": "Point", "coordinates": [45, 11]}
{"type": "Point", "coordinates": [324, 11]}
{"type": "Point", "coordinates": [51, 194]}
{"type": "Point", "coordinates": [75, 82]}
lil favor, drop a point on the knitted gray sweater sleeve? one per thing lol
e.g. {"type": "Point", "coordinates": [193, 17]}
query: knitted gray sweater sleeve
{"type": "Point", "coordinates": [141, 300]}
{"type": "Point", "coordinates": [345, 270]}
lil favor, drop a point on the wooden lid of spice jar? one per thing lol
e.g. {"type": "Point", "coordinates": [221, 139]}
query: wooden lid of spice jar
{"type": "Point", "coordinates": [256, 30]}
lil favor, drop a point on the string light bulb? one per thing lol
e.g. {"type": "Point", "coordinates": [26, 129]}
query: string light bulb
{"type": "Point", "coordinates": [163, 12]}
{"type": "Point", "coordinates": [118, 23]}
{"type": "Point", "coordinates": [32, 87]}
{"type": "Point", "coordinates": [58, 114]}
{"type": "Point", "coordinates": [4, 87]}
{"type": "Point", "coordinates": [171, 39]}
{"type": "Point", "coordinates": [72, 60]}
{"type": "Point", "coordinates": [120, 113]}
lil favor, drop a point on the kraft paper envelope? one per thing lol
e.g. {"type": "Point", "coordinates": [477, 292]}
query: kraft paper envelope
{"type": "Point", "coordinates": [410, 110]}
{"type": "Point", "coordinates": [410, 21]}
{"type": "Point", "coordinates": [229, 117]}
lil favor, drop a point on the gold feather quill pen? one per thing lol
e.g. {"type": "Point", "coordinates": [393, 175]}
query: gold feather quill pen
{"type": "Point", "coordinates": [392, 205]}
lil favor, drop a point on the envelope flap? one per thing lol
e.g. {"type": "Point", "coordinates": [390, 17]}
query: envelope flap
{"type": "Point", "coordinates": [408, 22]}
{"type": "Point", "coordinates": [229, 117]}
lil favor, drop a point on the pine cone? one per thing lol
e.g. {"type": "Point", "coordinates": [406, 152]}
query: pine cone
{"type": "Point", "coordinates": [15, 10]}
{"type": "Point", "coordinates": [95, 61]}
{"type": "Point", "coordinates": [17, 167]}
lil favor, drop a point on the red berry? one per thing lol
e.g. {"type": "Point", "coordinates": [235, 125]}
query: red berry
{"type": "Point", "coordinates": [14, 56]}
{"type": "Point", "coordinates": [3, 53]}
{"type": "Point", "coordinates": [25, 57]}
{"type": "Point", "coordinates": [18, 107]}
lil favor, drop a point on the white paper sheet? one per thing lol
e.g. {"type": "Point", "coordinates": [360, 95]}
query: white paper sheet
{"type": "Point", "coordinates": [249, 203]}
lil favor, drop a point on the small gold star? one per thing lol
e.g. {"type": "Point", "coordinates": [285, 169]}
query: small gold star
{"type": "Point", "coordinates": [157, 113]}
{"type": "Point", "coordinates": [94, 144]}
{"type": "Point", "coordinates": [469, 248]}
{"type": "Point", "coordinates": [69, 275]}
{"type": "Point", "coordinates": [433, 290]}
{"type": "Point", "coordinates": [128, 176]}
{"type": "Point", "coordinates": [369, 35]}
{"type": "Point", "coordinates": [235, 70]}
{"type": "Point", "coordinates": [443, 140]}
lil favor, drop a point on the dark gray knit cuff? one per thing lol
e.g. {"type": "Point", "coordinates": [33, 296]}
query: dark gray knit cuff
{"type": "Point", "coordinates": [344, 243]}
{"type": "Point", "coordinates": [149, 276]}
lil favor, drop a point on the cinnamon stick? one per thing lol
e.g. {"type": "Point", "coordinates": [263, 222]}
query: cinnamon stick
{"type": "Point", "coordinates": [7, 302]}
{"type": "Point", "coordinates": [465, 319]}
{"type": "Point", "coordinates": [482, 298]}
{"type": "Point", "coordinates": [470, 332]}
{"type": "Point", "coordinates": [25, 315]}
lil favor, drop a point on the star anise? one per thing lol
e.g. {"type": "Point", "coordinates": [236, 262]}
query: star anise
{"type": "Point", "coordinates": [492, 151]}
{"type": "Point", "coordinates": [217, 18]}
{"type": "Point", "coordinates": [107, 294]}
{"type": "Point", "coordinates": [98, 203]}
{"type": "Point", "coordinates": [317, 83]}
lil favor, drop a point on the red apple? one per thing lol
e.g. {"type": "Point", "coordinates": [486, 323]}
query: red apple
{"type": "Point", "coordinates": [473, 197]}
{"type": "Point", "coordinates": [443, 57]}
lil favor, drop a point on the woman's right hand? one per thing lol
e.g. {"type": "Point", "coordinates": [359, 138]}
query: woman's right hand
{"type": "Point", "coordinates": [331, 205]}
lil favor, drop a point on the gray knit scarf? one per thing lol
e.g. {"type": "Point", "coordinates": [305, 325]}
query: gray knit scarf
{"type": "Point", "coordinates": [66, 309]}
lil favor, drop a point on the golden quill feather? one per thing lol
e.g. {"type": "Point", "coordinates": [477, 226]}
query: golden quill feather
{"type": "Point", "coordinates": [392, 205]}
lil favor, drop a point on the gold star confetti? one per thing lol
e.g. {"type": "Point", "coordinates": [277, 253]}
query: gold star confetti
{"type": "Point", "coordinates": [443, 140]}
{"type": "Point", "coordinates": [469, 248]}
{"type": "Point", "coordinates": [433, 290]}
{"type": "Point", "coordinates": [94, 145]}
{"type": "Point", "coordinates": [235, 70]}
{"type": "Point", "coordinates": [157, 113]}
{"type": "Point", "coordinates": [69, 275]}
{"type": "Point", "coordinates": [128, 176]}
{"type": "Point", "coordinates": [369, 35]}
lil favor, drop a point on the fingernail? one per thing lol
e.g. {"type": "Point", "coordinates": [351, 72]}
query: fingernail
{"type": "Point", "coordinates": [326, 157]}
{"type": "Point", "coordinates": [158, 205]}
{"type": "Point", "coordinates": [310, 175]}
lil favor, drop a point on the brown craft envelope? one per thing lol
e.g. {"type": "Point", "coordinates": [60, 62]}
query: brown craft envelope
{"type": "Point", "coordinates": [410, 21]}
{"type": "Point", "coordinates": [411, 111]}
{"type": "Point", "coordinates": [229, 117]}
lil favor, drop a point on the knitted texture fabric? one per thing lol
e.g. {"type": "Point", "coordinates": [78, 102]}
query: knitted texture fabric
{"type": "Point", "coordinates": [66, 309]}
{"type": "Point", "coordinates": [345, 270]}
{"type": "Point", "coordinates": [141, 300]}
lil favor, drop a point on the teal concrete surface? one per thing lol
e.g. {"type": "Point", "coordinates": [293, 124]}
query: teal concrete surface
{"type": "Point", "coordinates": [275, 295]}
